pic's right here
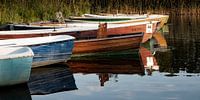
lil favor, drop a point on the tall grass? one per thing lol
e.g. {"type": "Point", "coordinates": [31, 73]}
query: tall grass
{"type": "Point", "coordinates": [24, 11]}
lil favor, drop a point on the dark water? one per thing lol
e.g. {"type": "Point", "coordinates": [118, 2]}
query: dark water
{"type": "Point", "coordinates": [116, 77]}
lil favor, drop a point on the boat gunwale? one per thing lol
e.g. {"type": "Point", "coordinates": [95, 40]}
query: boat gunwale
{"type": "Point", "coordinates": [23, 41]}
{"type": "Point", "coordinates": [27, 53]}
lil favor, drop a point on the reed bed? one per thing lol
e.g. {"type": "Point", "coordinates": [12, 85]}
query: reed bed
{"type": "Point", "coordinates": [25, 11]}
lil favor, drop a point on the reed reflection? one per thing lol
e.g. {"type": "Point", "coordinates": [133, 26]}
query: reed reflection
{"type": "Point", "coordinates": [184, 39]}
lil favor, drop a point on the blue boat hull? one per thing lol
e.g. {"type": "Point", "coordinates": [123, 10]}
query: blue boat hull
{"type": "Point", "coordinates": [15, 71]}
{"type": "Point", "coordinates": [51, 53]}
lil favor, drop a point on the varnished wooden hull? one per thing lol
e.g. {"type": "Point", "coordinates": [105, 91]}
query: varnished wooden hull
{"type": "Point", "coordinates": [107, 44]}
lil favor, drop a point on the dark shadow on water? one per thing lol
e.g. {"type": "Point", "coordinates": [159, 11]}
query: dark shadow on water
{"type": "Point", "coordinates": [51, 79]}
{"type": "Point", "coordinates": [16, 92]}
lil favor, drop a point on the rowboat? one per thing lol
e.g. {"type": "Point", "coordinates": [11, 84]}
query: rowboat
{"type": "Point", "coordinates": [114, 30]}
{"type": "Point", "coordinates": [51, 79]}
{"type": "Point", "coordinates": [99, 19]}
{"type": "Point", "coordinates": [104, 16]}
{"type": "Point", "coordinates": [110, 18]}
{"type": "Point", "coordinates": [124, 18]}
{"type": "Point", "coordinates": [85, 31]}
{"type": "Point", "coordinates": [84, 46]}
{"type": "Point", "coordinates": [99, 37]}
{"type": "Point", "coordinates": [15, 65]}
{"type": "Point", "coordinates": [47, 50]}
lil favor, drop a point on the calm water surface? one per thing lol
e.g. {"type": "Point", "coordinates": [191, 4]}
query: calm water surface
{"type": "Point", "coordinates": [123, 77]}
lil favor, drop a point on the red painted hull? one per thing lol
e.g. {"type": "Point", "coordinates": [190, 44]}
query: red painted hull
{"type": "Point", "coordinates": [90, 33]}
{"type": "Point", "coordinates": [88, 40]}
{"type": "Point", "coordinates": [132, 30]}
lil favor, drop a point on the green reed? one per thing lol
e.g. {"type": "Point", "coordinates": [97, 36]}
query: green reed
{"type": "Point", "coordinates": [25, 11]}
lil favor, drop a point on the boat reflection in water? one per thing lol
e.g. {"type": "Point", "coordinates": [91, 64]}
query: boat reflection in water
{"type": "Point", "coordinates": [51, 79]}
{"type": "Point", "coordinates": [106, 68]}
{"type": "Point", "coordinates": [155, 52]}
{"type": "Point", "coordinates": [16, 92]}
{"type": "Point", "coordinates": [148, 60]}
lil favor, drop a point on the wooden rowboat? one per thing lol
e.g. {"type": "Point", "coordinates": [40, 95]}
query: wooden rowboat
{"type": "Point", "coordinates": [110, 16]}
{"type": "Point", "coordinates": [87, 30]}
{"type": "Point", "coordinates": [103, 37]}
{"type": "Point", "coordinates": [15, 65]}
{"type": "Point", "coordinates": [47, 50]}
{"type": "Point", "coordinates": [109, 19]}
{"type": "Point", "coordinates": [125, 18]}
{"type": "Point", "coordinates": [99, 19]}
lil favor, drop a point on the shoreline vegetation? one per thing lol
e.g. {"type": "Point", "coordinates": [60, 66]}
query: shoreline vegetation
{"type": "Point", "coordinates": [26, 11]}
